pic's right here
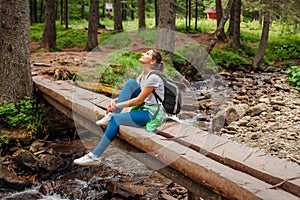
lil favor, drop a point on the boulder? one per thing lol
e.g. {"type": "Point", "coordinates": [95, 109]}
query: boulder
{"type": "Point", "coordinates": [10, 181]}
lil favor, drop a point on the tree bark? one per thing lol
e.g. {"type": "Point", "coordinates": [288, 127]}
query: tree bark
{"type": "Point", "coordinates": [200, 56]}
{"type": "Point", "coordinates": [33, 12]}
{"type": "Point", "coordinates": [237, 24]}
{"type": "Point", "coordinates": [231, 22]}
{"type": "Point", "coordinates": [141, 13]}
{"type": "Point", "coordinates": [132, 9]}
{"type": "Point", "coordinates": [82, 9]}
{"type": "Point", "coordinates": [93, 25]}
{"type": "Point", "coordinates": [118, 26]}
{"type": "Point", "coordinates": [15, 75]}
{"type": "Point", "coordinates": [41, 11]}
{"type": "Point", "coordinates": [61, 12]}
{"type": "Point", "coordinates": [49, 34]}
{"type": "Point", "coordinates": [219, 11]}
{"type": "Point", "coordinates": [66, 14]}
{"type": "Point", "coordinates": [166, 26]}
{"type": "Point", "coordinates": [258, 58]}
{"type": "Point", "coordinates": [156, 7]}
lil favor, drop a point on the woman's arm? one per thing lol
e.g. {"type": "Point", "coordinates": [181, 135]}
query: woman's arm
{"type": "Point", "coordinates": [135, 101]}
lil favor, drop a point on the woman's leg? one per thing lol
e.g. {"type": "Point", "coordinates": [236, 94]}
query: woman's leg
{"type": "Point", "coordinates": [136, 118]}
{"type": "Point", "coordinates": [130, 90]}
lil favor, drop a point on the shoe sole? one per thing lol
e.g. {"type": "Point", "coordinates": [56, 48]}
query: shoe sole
{"type": "Point", "coordinates": [96, 163]}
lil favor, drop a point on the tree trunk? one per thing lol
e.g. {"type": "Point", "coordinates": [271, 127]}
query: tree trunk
{"type": "Point", "coordinates": [93, 25]}
{"type": "Point", "coordinates": [231, 22]}
{"type": "Point", "coordinates": [82, 9]}
{"type": "Point", "coordinates": [219, 11]}
{"type": "Point", "coordinates": [200, 56]}
{"type": "Point", "coordinates": [41, 11]}
{"type": "Point", "coordinates": [33, 11]}
{"type": "Point", "coordinates": [49, 34]}
{"type": "Point", "coordinates": [196, 15]}
{"type": "Point", "coordinates": [15, 75]}
{"type": "Point", "coordinates": [132, 10]}
{"type": "Point", "coordinates": [166, 26]}
{"type": "Point", "coordinates": [61, 12]}
{"type": "Point", "coordinates": [156, 6]}
{"type": "Point", "coordinates": [117, 15]}
{"type": "Point", "coordinates": [237, 24]}
{"type": "Point", "coordinates": [124, 11]}
{"type": "Point", "coordinates": [141, 6]}
{"type": "Point", "coordinates": [66, 14]}
{"type": "Point", "coordinates": [258, 58]}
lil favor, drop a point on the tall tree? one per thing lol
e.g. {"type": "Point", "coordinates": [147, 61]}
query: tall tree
{"type": "Point", "coordinates": [15, 75]}
{"type": "Point", "coordinates": [200, 56]}
{"type": "Point", "coordinates": [82, 9]}
{"type": "Point", "coordinates": [49, 34]}
{"type": "Point", "coordinates": [66, 14]}
{"type": "Point", "coordinates": [141, 13]}
{"type": "Point", "coordinates": [231, 22]}
{"type": "Point", "coordinates": [33, 11]}
{"type": "Point", "coordinates": [219, 12]}
{"type": "Point", "coordinates": [237, 23]}
{"type": "Point", "coordinates": [61, 19]}
{"type": "Point", "coordinates": [156, 7]}
{"type": "Point", "coordinates": [166, 26]}
{"type": "Point", "coordinates": [118, 15]}
{"type": "Point", "coordinates": [93, 25]}
{"type": "Point", "coordinates": [258, 58]}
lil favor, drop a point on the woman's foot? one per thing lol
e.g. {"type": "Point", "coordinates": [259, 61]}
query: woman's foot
{"type": "Point", "coordinates": [88, 160]}
{"type": "Point", "coordinates": [104, 120]}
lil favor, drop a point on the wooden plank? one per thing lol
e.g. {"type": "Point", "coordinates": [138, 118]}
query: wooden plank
{"type": "Point", "coordinates": [249, 160]}
{"type": "Point", "coordinates": [225, 181]}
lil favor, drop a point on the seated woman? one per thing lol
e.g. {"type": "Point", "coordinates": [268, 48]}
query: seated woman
{"type": "Point", "coordinates": [137, 94]}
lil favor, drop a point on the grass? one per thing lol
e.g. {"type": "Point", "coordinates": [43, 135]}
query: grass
{"type": "Point", "coordinates": [283, 45]}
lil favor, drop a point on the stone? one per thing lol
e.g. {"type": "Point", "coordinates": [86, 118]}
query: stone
{"type": "Point", "coordinates": [257, 109]}
{"type": "Point", "coordinates": [8, 180]}
{"type": "Point", "coordinates": [25, 158]}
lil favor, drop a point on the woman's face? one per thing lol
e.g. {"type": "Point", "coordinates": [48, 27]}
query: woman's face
{"type": "Point", "coordinates": [147, 58]}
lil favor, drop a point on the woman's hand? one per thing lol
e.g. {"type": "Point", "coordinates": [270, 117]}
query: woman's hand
{"type": "Point", "coordinates": [111, 107]}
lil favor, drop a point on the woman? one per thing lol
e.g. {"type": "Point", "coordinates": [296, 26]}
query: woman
{"type": "Point", "coordinates": [138, 95]}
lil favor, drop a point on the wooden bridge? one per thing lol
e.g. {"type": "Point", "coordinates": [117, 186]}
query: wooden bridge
{"type": "Point", "coordinates": [208, 165]}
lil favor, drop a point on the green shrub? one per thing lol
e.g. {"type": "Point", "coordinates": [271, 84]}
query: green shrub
{"type": "Point", "coordinates": [27, 113]}
{"type": "Point", "coordinates": [294, 76]}
{"type": "Point", "coordinates": [227, 59]}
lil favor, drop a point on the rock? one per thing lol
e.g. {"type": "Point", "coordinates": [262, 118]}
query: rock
{"type": "Point", "coordinates": [8, 180]}
{"type": "Point", "coordinates": [257, 109]}
{"type": "Point", "coordinates": [126, 189]}
{"type": "Point", "coordinates": [37, 145]}
{"type": "Point", "coordinates": [229, 114]}
{"type": "Point", "coordinates": [51, 163]}
{"type": "Point", "coordinates": [167, 197]}
{"type": "Point", "coordinates": [25, 158]}
{"type": "Point", "coordinates": [47, 187]}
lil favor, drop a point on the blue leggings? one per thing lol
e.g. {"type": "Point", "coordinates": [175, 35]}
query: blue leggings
{"type": "Point", "coordinates": [137, 118]}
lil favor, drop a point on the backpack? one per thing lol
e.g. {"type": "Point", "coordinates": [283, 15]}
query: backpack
{"type": "Point", "coordinates": [172, 96]}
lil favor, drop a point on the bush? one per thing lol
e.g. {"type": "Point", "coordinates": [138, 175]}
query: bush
{"type": "Point", "coordinates": [294, 76]}
{"type": "Point", "coordinates": [27, 114]}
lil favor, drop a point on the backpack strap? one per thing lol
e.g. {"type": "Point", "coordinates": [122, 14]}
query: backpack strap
{"type": "Point", "coordinates": [155, 94]}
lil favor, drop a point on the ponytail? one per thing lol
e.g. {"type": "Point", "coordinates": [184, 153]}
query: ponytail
{"type": "Point", "coordinates": [159, 65]}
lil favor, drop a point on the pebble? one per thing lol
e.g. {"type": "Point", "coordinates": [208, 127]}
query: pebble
{"type": "Point", "coordinates": [272, 122]}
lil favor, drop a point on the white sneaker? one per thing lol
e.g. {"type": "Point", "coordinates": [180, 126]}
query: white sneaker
{"type": "Point", "coordinates": [88, 160]}
{"type": "Point", "coordinates": [104, 120]}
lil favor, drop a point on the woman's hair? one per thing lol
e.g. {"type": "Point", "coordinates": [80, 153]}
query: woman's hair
{"type": "Point", "coordinates": [159, 66]}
